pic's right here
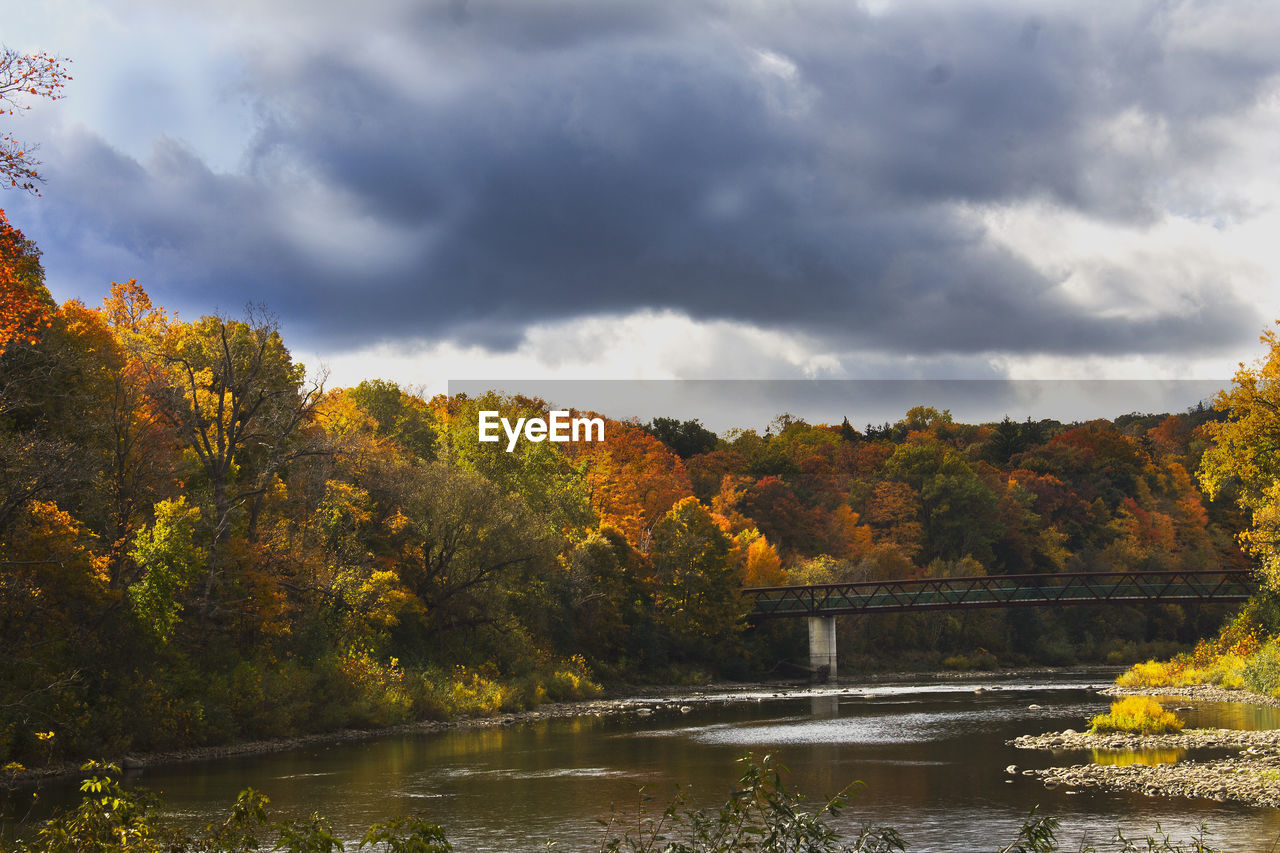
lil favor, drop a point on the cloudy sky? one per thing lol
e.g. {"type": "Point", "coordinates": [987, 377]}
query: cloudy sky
{"type": "Point", "coordinates": [456, 189]}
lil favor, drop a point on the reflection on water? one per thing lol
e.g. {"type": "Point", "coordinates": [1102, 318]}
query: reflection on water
{"type": "Point", "coordinates": [933, 759]}
{"type": "Point", "coordinates": [1125, 757]}
{"type": "Point", "coordinates": [1223, 715]}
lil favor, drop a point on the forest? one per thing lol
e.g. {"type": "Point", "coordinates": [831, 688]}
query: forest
{"type": "Point", "coordinates": [201, 543]}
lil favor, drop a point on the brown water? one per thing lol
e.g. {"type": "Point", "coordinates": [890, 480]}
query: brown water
{"type": "Point", "coordinates": [932, 758]}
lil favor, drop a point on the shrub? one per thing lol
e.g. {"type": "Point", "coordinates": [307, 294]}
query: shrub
{"type": "Point", "coordinates": [111, 817]}
{"type": "Point", "coordinates": [572, 681]}
{"type": "Point", "coordinates": [1136, 714]}
{"type": "Point", "coordinates": [1262, 671]}
{"type": "Point", "coordinates": [761, 814]}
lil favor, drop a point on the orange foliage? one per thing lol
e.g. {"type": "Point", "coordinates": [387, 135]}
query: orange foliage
{"type": "Point", "coordinates": [762, 566]}
{"type": "Point", "coordinates": [844, 536]}
{"type": "Point", "coordinates": [634, 479]}
{"type": "Point", "coordinates": [22, 75]}
{"type": "Point", "coordinates": [25, 306]}
{"type": "Point", "coordinates": [894, 513]}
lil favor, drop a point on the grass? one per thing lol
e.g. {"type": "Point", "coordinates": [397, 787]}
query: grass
{"type": "Point", "coordinates": [1136, 715]}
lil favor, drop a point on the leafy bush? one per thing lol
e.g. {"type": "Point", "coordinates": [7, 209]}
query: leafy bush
{"type": "Point", "coordinates": [1136, 714]}
{"type": "Point", "coordinates": [111, 817]}
{"type": "Point", "coordinates": [1262, 671]}
{"type": "Point", "coordinates": [761, 816]}
{"type": "Point", "coordinates": [572, 681]}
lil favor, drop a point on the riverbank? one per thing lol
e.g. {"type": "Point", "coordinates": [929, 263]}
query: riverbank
{"type": "Point", "coordinates": [1251, 777]}
{"type": "Point", "coordinates": [641, 701]}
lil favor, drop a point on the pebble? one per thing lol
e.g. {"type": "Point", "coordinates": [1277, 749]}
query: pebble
{"type": "Point", "coordinates": [1252, 777]}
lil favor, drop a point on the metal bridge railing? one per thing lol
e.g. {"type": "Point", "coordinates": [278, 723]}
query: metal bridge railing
{"type": "Point", "coordinates": [999, 591]}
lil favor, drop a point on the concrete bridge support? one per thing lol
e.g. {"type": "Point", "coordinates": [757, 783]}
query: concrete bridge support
{"type": "Point", "coordinates": [822, 648]}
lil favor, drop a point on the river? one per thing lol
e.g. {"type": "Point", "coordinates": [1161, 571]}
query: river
{"type": "Point", "coordinates": [931, 756]}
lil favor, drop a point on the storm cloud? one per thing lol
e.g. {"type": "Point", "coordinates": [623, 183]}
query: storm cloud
{"type": "Point", "coordinates": [461, 171]}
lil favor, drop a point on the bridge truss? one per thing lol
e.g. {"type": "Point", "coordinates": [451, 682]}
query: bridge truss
{"type": "Point", "coordinates": [900, 596]}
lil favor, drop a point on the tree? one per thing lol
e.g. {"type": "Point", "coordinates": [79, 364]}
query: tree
{"type": "Point", "coordinates": [25, 304]}
{"type": "Point", "coordinates": [465, 547]}
{"type": "Point", "coordinates": [696, 593]}
{"type": "Point", "coordinates": [1244, 460]}
{"type": "Point", "coordinates": [686, 438]}
{"type": "Point", "coordinates": [169, 560]}
{"type": "Point", "coordinates": [399, 416]}
{"type": "Point", "coordinates": [539, 472]}
{"type": "Point", "coordinates": [140, 444]}
{"type": "Point", "coordinates": [235, 396]}
{"type": "Point", "coordinates": [958, 511]}
{"type": "Point", "coordinates": [634, 479]}
{"type": "Point", "coordinates": [24, 75]}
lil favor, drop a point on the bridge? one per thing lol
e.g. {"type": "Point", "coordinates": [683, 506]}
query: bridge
{"type": "Point", "coordinates": [821, 603]}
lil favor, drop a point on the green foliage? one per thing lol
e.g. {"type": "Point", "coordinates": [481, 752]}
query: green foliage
{"type": "Point", "coordinates": [696, 589]}
{"type": "Point", "coordinates": [546, 480]}
{"type": "Point", "coordinates": [295, 565]}
{"type": "Point", "coordinates": [1038, 834]}
{"type": "Point", "coordinates": [761, 815]}
{"type": "Point", "coordinates": [1262, 670]}
{"type": "Point", "coordinates": [113, 819]}
{"type": "Point", "coordinates": [958, 509]}
{"type": "Point", "coordinates": [686, 438]}
{"type": "Point", "coordinates": [406, 835]}
{"type": "Point", "coordinates": [399, 416]}
{"type": "Point", "coordinates": [169, 560]}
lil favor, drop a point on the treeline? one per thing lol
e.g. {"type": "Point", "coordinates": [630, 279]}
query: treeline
{"type": "Point", "coordinates": [199, 543]}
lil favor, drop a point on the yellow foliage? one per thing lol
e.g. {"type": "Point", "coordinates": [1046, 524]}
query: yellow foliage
{"type": "Point", "coordinates": [763, 566]}
{"type": "Point", "coordinates": [1138, 715]}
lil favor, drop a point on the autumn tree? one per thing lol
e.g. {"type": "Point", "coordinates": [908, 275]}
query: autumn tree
{"type": "Point", "coordinates": [25, 304]}
{"type": "Point", "coordinates": [23, 76]}
{"type": "Point", "coordinates": [235, 396]}
{"type": "Point", "coordinates": [140, 443]}
{"type": "Point", "coordinates": [633, 480]}
{"type": "Point", "coordinates": [1244, 459]}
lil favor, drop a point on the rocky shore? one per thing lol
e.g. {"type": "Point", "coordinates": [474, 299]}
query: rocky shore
{"type": "Point", "coordinates": [1251, 777]}
{"type": "Point", "coordinates": [1203, 692]}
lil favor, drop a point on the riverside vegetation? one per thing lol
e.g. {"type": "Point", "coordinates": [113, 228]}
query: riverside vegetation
{"type": "Point", "coordinates": [200, 545]}
{"type": "Point", "coordinates": [761, 814]}
{"type": "Point", "coordinates": [1137, 714]}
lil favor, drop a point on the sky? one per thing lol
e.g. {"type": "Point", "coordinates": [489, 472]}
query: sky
{"type": "Point", "coordinates": [639, 189]}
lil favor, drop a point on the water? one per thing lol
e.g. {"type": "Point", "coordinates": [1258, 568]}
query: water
{"type": "Point", "coordinates": [931, 758]}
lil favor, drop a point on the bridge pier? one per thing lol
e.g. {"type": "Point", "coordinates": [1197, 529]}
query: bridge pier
{"type": "Point", "coordinates": [822, 648]}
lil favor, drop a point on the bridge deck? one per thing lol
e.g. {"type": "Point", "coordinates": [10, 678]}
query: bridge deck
{"type": "Point", "coordinates": [999, 591]}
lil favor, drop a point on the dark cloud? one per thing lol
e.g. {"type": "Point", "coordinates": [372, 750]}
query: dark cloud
{"type": "Point", "coordinates": [809, 168]}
